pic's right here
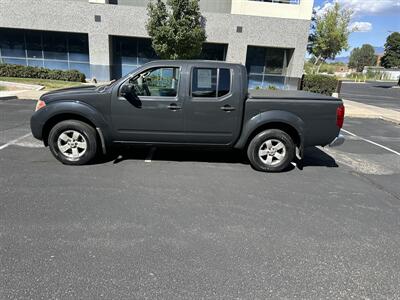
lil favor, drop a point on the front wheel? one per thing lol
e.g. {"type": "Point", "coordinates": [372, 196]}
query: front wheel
{"type": "Point", "coordinates": [271, 151]}
{"type": "Point", "coordinates": [73, 142]}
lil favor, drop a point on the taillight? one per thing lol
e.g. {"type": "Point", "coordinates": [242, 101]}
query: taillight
{"type": "Point", "coordinates": [340, 116]}
{"type": "Point", "coordinates": [40, 104]}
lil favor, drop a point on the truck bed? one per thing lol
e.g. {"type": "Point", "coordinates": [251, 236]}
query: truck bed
{"type": "Point", "coordinates": [316, 113]}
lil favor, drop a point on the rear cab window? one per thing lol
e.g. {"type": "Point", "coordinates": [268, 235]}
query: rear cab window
{"type": "Point", "coordinates": [211, 82]}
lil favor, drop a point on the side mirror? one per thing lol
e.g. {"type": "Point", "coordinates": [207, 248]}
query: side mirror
{"type": "Point", "coordinates": [126, 90]}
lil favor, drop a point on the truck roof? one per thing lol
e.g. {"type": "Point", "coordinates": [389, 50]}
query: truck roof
{"type": "Point", "coordinates": [213, 63]}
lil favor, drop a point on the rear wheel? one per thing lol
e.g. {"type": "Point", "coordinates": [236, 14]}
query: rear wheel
{"type": "Point", "coordinates": [271, 151]}
{"type": "Point", "coordinates": [73, 142]}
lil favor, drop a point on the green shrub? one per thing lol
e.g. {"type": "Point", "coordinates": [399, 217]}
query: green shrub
{"type": "Point", "coordinates": [8, 70]}
{"type": "Point", "coordinates": [322, 84]}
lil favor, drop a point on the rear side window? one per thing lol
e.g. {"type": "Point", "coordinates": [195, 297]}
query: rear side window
{"type": "Point", "coordinates": [207, 84]}
{"type": "Point", "coordinates": [204, 83]}
{"type": "Point", "coordinates": [224, 83]}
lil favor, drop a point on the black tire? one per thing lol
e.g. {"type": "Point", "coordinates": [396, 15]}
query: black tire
{"type": "Point", "coordinates": [271, 136]}
{"type": "Point", "coordinates": [87, 136]}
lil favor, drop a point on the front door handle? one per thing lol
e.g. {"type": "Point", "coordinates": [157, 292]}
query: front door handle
{"type": "Point", "coordinates": [227, 108]}
{"type": "Point", "coordinates": [174, 106]}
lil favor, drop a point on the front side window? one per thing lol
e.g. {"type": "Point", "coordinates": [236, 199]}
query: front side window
{"type": "Point", "coordinates": [210, 82]}
{"type": "Point", "coordinates": [158, 82]}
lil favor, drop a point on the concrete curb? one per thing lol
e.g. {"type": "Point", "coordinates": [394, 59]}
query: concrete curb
{"type": "Point", "coordinates": [5, 98]}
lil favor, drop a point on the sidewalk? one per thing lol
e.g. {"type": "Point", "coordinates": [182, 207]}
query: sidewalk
{"type": "Point", "coordinates": [21, 91]}
{"type": "Point", "coordinates": [359, 110]}
{"type": "Point", "coordinates": [21, 94]}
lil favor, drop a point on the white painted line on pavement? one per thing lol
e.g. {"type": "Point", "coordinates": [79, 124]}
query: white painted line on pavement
{"type": "Point", "coordinates": [14, 141]}
{"type": "Point", "coordinates": [371, 142]}
{"type": "Point", "coordinates": [150, 155]}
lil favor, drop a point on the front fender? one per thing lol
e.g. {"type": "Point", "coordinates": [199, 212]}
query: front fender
{"type": "Point", "coordinates": [265, 118]}
{"type": "Point", "coordinates": [54, 109]}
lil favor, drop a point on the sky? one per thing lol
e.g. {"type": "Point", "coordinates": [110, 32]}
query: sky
{"type": "Point", "coordinates": [372, 20]}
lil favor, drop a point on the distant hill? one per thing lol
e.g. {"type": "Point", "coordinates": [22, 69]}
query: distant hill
{"type": "Point", "coordinates": [345, 59]}
{"type": "Point", "coordinates": [342, 59]}
{"type": "Point", "coordinates": [379, 50]}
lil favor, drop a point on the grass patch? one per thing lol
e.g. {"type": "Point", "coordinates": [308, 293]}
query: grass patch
{"type": "Point", "coordinates": [49, 84]}
{"type": "Point", "coordinates": [2, 88]}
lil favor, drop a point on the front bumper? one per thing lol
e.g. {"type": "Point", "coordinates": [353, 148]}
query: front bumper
{"type": "Point", "coordinates": [37, 125]}
{"type": "Point", "coordinates": [338, 141]}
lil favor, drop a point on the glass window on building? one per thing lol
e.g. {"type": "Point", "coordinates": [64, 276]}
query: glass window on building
{"type": "Point", "coordinates": [129, 53]}
{"type": "Point", "coordinates": [280, 1]}
{"type": "Point", "coordinates": [34, 45]}
{"type": "Point", "coordinates": [53, 50]}
{"type": "Point", "coordinates": [12, 43]}
{"type": "Point", "coordinates": [78, 46]}
{"type": "Point", "coordinates": [55, 45]}
{"type": "Point", "coordinates": [214, 51]}
{"type": "Point", "coordinates": [267, 66]}
{"type": "Point", "coordinates": [146, 52]}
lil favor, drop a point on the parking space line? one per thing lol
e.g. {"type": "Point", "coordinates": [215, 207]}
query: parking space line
{"type": "Point", "coordinates": [150, 155]}
{"type": "Point", "coordinates": [371, 142]}
{"type": "Point", "coordinates": [14, 141]}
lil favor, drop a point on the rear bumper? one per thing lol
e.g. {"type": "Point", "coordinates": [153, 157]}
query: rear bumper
{"type": "Point", "coordinates": [338, 141]}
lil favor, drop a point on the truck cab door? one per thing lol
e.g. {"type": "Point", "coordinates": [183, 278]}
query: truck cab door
{"type": "Point", "coordinates": [213, 108]}
{"type": "Point", "coordinates": [147, 108]}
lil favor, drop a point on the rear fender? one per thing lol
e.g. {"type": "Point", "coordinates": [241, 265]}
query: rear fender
{"type": "Point", "coordinates": [265, 118]}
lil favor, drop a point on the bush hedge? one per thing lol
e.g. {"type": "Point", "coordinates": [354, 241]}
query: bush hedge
{"type": "Point", "coordinates": [321, 84]}
{"type": "Point", "coordinates": [8, 70]}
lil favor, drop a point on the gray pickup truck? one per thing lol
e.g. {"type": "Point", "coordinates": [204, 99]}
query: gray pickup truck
{"type": "Point", "coordinates": [187, 103]}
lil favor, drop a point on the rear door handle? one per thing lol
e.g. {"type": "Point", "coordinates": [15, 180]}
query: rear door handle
{"type": "Point", "coordinates": [227, 108]}
{"type": "Point", "coordinates": [173, 106]}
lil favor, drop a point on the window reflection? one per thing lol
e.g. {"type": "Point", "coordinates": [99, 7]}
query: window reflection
{"type": "Point", "coordinates": [129, 53]}
{"type": "Point", "coordinates": [78, 46]}
{"type": "Point", "coordinates": [55, 46]}
{"type": "Point", "coordinates": [54, 50]}
{"type": "Point", "coordinates": [12, 43]}
{"type": "Point", "coordinates": [267, 66]}
{"type": "Point", "coordinates": [34, 46]}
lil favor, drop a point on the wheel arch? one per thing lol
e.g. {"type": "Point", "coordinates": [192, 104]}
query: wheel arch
{"type": "Point", "coordinates": [285, 127]}
{"type": "Point", "coordinates": [51, 122]}
{"type": "Point", "coordinates": [285, 121]}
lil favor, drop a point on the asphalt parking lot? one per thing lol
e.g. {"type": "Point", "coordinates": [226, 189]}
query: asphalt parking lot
{"type": "Point", "coordinates": [199, 224]}
{"type": "Point", "coordinates": [377, 93]}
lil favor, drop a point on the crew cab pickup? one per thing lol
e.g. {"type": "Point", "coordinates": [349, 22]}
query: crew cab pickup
{"type": "Point", "coordinates": [192, 103]}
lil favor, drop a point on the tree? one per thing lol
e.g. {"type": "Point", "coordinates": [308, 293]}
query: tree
{"type": "Point", "coordinates": [361, 57]}
{"type": "Point", "coordinates": [391, 58]}
{"type": "Point", "coordinates": [329, 34]}
{"type": "Point", "coordinates": [177, 31]}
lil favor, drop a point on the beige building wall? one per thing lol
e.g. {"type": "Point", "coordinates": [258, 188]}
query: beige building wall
{"type": "Point", "coordinates": [301, 11]}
